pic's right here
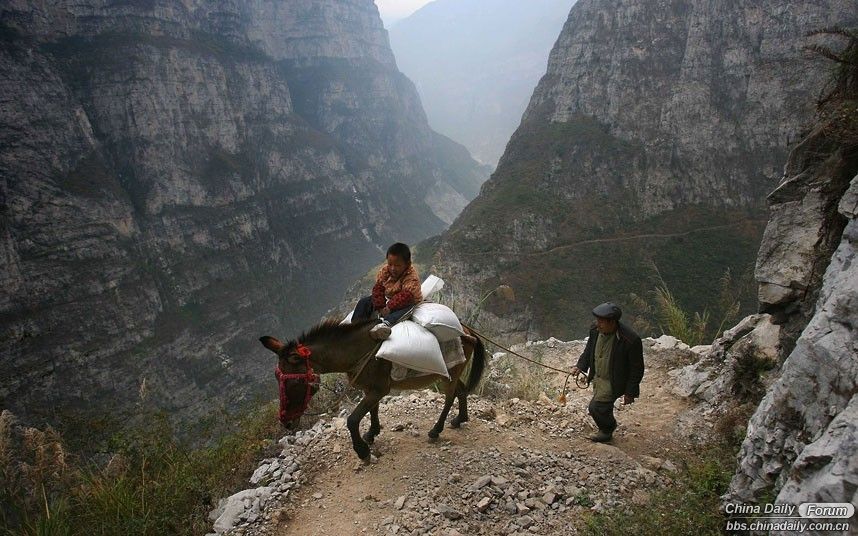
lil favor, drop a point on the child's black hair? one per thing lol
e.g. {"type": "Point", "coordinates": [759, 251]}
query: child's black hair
{"type": "Point", "coordinates": [400, 250]}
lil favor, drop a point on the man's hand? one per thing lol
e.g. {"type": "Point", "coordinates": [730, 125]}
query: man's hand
{"type": "Point", "coordinates": [576, 371]}
{"type": "Point", "coordinates": [628, 399]}
{"type": "Point", "coordinates": [385, 311]}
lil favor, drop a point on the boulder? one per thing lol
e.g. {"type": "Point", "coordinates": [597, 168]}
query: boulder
{"type": "Point", "coordinates": [237, 504]}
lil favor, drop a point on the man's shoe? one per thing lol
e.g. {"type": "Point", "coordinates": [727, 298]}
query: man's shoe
{"type": "Point", "coordinates": [601, 437]}
{"type": "Point", "coordinates": [380, 332]}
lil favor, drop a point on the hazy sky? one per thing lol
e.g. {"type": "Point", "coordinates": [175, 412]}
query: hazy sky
{"type": "Point", "coordinates": [393, 10]}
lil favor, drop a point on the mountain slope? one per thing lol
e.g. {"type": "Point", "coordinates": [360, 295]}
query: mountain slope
{"type": "Point", "coordinates": [179, 178]}
{"type": "Point", "coordinates": [654, 136]}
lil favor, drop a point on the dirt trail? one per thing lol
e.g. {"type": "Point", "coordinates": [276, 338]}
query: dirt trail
{"type": "Point", "coordinates": [529, 447]}
{"type": "Point", "coordinates": [607, 240]}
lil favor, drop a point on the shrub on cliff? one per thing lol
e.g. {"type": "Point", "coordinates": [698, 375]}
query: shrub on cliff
{"type": "Point", "coordinates": [838, 108]}
{"type": "Point", "coordinates": [150, 483]}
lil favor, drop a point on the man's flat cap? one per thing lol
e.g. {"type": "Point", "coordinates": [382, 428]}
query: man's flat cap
{"type": "Point", "coordinates": [608, 310]}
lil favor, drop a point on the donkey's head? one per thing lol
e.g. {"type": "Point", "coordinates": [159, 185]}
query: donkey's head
{"type": "Point", "coordinates": [295, 377]}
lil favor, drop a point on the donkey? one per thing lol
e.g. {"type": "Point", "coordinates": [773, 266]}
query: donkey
{"type": "Point", "coordinates": [333, 347]}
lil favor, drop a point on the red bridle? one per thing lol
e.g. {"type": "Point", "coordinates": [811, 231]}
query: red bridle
{"type": "Point", "coordinates": [309, 377]}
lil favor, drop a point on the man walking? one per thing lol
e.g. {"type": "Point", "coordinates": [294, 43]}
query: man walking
{"type": "Point", "coordinates": [613, 361]}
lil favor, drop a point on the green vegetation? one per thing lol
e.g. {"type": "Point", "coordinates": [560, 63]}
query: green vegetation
{"type": "Point", "coordinates": [533, 176]}
{"type": "Point", "coordinates": [576, 248]}
{"type": "Point", "coordinates": [676, 320]}
{"type": "Point", "coordinates": [423, 253]}
{"type": "Point", "coordinates": [150, 484]}
{"type": "Point", "coordinates": [561, 286]}
{"type": "Point", "coordinates": [690, 505]}
{"type": "Point", "coordinates": [748, 383]}
{"type": "Point", "coordinates": [672, 319]}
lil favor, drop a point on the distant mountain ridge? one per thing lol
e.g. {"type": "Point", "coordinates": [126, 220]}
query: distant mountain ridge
{"type": "Point", "coordinates": [179, 178]}
{"type": "Point", "coordinates": [475, 63]}
{"type": "Point", "coordinates": [655, 136]}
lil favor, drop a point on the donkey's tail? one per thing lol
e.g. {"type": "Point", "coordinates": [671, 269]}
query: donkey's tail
{"type": "Point", "coordinates": [478, 365]}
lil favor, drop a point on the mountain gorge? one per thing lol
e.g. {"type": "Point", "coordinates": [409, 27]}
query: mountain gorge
{"type": "Point", "coordinates": [475, 63]}
{"type": "Point", "coordinates": [178, 178]}
{"type": "Point", "coordinates": [653, 139]}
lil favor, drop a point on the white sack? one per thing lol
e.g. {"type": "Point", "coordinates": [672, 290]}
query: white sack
{"type": "Point", "coordinates": [431, 285]}
{"type": "Point", "coordinates": [413, 346]}
{"type": "Point", "coordinates": [439, 319]}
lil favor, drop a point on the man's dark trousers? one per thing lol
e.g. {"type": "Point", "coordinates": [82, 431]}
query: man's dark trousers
{"type": "Point", "coordinates": [603, 414]}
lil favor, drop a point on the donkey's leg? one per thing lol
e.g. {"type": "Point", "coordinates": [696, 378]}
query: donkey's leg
{"type": "Point", "coordinates": [374, 425]}
{"type": "Point", "coordinates": [448, 403]}
{"type": "Point", "coordinates": [462, 395]}
{"type": "Point", "coordinates": [370, 400]}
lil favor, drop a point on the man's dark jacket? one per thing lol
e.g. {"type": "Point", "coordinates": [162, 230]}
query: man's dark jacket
{"type": "Point", "coordinates": [627, 366]}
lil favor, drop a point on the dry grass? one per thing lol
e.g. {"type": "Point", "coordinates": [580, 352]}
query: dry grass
{"type": "Point", "coordinates": [671, 318]}
{"type": "Point", "coordinates": [35, 475]}
{"type": "Point", "coordinates": [512, 377]}
{"type": "Point", "coordinates": [151, 484]}
{"type": "Point", "coordinates": [692, 504]}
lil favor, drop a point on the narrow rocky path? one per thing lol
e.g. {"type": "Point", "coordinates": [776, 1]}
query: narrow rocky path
{"type": "Point", "coordinates": [518, 467]}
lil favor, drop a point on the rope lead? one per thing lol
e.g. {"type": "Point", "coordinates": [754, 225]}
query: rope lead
{"type": "Point", "coordinates": [562, 398]}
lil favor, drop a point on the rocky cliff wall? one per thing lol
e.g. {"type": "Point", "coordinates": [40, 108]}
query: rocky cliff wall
{"type": "Point", "coordinates": [802, 356]}
{"type": "Point", "coordinates": [655, 135]}
{"type": "Point", "coordinates": [180, 177]}
{"type": "Point", "coordinates": [801, 442]}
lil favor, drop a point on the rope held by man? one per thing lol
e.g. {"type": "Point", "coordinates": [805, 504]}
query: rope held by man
{"type": "Point", "coordinates": [562, 397]}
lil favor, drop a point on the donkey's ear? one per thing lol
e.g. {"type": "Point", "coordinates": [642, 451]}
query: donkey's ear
{"type": "Point", "coordinates": [271, 343]}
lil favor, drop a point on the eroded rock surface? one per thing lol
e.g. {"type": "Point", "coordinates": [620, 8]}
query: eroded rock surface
{"type": "Point", "coordinates": [177, 177]}
{"type": "Point", "coordinates": [798, 441]}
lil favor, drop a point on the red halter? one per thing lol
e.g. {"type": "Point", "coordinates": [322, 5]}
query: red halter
{"type": "Point", "coordinates": [309, 377]}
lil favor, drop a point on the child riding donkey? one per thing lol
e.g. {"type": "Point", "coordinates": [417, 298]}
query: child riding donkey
{"type": "Point", "coordinates": [396, 291]}
{"type": "Point", "coordinates": [342, 347]}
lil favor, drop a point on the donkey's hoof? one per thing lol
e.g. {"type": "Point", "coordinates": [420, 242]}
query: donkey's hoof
{"type": "Point", "coordinates": [360, 465]}
{"type": "Point", "coordinates": [363, 452]}
{"type": "Point", "coordinates": [369, 438]}
{"type": "Point", "coordinates": [433, 435]}
{"type": "Point", "coordinates": [457, 422]}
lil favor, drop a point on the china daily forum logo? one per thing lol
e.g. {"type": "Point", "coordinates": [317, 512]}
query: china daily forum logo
{"type": "Point", "coordinates": [805, 510]}
{"type": "Point", "coordinates": [812, 517]}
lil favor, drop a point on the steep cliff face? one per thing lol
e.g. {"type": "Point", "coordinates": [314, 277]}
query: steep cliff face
{"type": "Point", "coordinates": [801, 440]}
{"type": "Point", "coordinates": [655, 134]}
{"type": "Point", "coordinates": [179, 178]}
